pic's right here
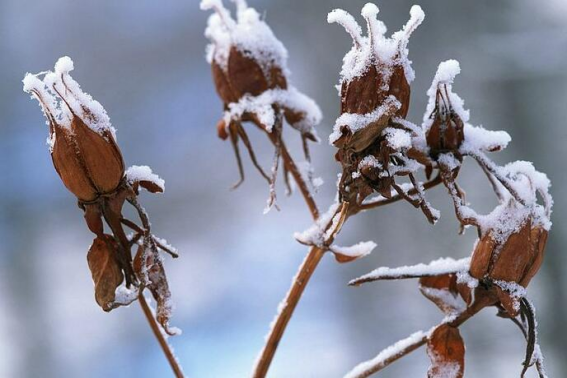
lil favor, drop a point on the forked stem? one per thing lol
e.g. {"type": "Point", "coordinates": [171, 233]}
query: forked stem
{"type": "Point", "coordinates": [291, 299]}
{"type": "Point", "coordinates": [160, 337]}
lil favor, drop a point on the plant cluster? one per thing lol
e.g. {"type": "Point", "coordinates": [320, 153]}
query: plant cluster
{"type": "Point", "coordinates": [381, 154]}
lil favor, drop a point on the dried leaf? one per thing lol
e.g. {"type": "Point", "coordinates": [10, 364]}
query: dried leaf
{"type": "Point", "coordinates": [446, 351]}
{"type": "Point", "coordinates": [105, 270]}
{"type": "Point", "coordinates": [149, 268]}
{"type": "Point", "coordinates": [441, 290]}
{"type": "Point", "coordinates": [100, 155]}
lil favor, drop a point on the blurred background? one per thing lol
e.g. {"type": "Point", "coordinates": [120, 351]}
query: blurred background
{"type": "Point", "coordinates": [145, 63]}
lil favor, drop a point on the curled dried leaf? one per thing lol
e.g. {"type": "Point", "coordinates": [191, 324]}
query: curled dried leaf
{"type": "Point", "coordinates": [105, 269]}
{"type": "Point", "coordinates": [149, 269]}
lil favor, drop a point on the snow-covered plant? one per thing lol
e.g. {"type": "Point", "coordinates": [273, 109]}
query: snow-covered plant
{"type": "Point", "coordinates": [83, 147]}
{"type": "Point", "coordinates": [378, 149]}
{"type": "Point", "coordinates": [251, 77]}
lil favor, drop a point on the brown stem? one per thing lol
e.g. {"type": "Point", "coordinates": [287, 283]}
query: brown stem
{"type": "Point", "coordinates": [292, 297]}
{"type": "Point", "coordinates": [459, 320]}
{"type": "Point", "coordinates": [160, 337]}
{"type": "Point", "coordinates": [292, 168]}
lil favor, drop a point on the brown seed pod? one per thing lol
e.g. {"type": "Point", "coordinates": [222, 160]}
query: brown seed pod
{"type": "Point", "coordinates": [513, 261]}
{"type": "Point", "coordinates": [376, 67]}
{"type": "Point", "coordinates": [446, 133]}
{"type": "Point", "coordinates": [82, 142]}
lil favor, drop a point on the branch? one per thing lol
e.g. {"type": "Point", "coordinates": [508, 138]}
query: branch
{"type": "Point", "coordinates": [160, 337]}
{"type": "Point", "coordinates": [386, 201]}
{"type": "Point", "coordinates": [291, 299]}
{"type": "Point", "coordinates": [366, 369]}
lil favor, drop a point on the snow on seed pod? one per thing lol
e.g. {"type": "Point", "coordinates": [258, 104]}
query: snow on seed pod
{"type": "Point", "coordinates": [511, 248]}
{"type": "Point", "coordinates": [445, 116]}
{"type": "Point", "coordinates": [82, 141]}
{"type": "Point", "coordinates": [377, 67]}
{"type": "Point", "coordinates": [248, 61]}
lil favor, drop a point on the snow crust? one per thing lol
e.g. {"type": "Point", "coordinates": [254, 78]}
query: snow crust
{"type": "Point", "coordinates": [387, 353]}
{"type": "Point", "coordinates": [315, 234]}
{"type": "Point", "coordinates": [437, 267]}
{"type": "Point", "coordinates": [138, 173]}
{"type": "Point", "coordinates": [262, 107]}
{"type": "Point", "coordinates": [248, 33]}
{"type": "Point", "coordinates": [376, 49]}
{"type": "Point", "coordinates": [62, 98]}
{"type": "Point", "coordinates": [358, 250]}
{"type": "Point", "coordinates": [355, 122]}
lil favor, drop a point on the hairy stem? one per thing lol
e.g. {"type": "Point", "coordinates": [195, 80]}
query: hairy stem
{"type": "Point", "coordinates": [160, 337]}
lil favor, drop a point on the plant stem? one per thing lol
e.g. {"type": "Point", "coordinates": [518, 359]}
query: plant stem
{"type": "Point", "coordinates": [291, 167]}
{"type": "Point", "coordinates": [472, 310]}
{"type": "Point", "coordinates": [160, 337]}
{"type": "Point", "coordinates": [291, 299]}
{"type": "Point", "coordinates": [307, 267]}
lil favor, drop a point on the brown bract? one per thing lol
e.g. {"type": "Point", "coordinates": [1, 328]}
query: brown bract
{"type": "Point", "coordinates": [105, 269]}
{"type": "Point", "coordinates": [446, 133]}
{"type": "Point", "coordinates": [89, 164]}
{"type": "Point", "coordinates": [516, 260]}
{"type": "Point", "coordinates": [446, 350]}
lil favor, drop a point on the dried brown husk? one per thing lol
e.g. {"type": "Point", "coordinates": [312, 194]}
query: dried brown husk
{"type": "Point", "coordinates": [89, 164]}
{"type": "Point", "coordinates": [516, 260]}
{"type": "Point", "coordinates": [105, 269]}
{"type": "Point", "coordinates": [446, 351]}
{"type": "Point", "coordinates": [149, 268]}
{"type": "Point", "coordinates": [446, 133]}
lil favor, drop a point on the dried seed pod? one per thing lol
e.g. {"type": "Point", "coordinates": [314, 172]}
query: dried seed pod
{"type": "Point", "coordinates": [82, 141]}
{"type": "Point", "coordinates": [376, 67]}
{"type": "Point", "coordinates": [249, 71]}
{"type": "Point", "coordinates": [247, 60]}
{"type": "Point", "coordinates": [444, 124]}
{"type": "Point", "coordinates": [510, 261]}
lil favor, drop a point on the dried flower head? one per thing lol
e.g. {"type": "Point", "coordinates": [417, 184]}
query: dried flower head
{"type": "Point", "coordinates": [250, 74]}
{"type": "Point", "coordinates": [445, 126]}
{"type": "Point", "coordinates": [82, 142]}
{"type": "Point", "coordinates": [376, 67]}
{"type": "Point", "coordinates": [83, 147]}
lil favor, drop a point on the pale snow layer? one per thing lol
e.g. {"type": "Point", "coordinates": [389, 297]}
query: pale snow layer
{"type": "Point", "coordinates": [137, 173]}
{"type": "Point", "coordinates": [437, 267]}
{"type": "Point", "coordinates": [355, 122]}
{"type": "Point", "coordinates": [248, 33]}
{"type": "Point", "coordinates": [387, 353]}
{"type": "Point", "coordinates": [443, 79]}
{"type": "Point", "coordinates": [315, 234]}
{"type": "Point", "coordinates": [376, 48]}
{"type": "Point", "coordinates": [357, 251]}
{"type": "Point", "coordinates": [61, 98]}
{"type": "Point", "coordinates": [262, 107]}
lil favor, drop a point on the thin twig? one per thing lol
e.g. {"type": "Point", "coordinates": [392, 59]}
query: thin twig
{"type": "Point", "coordinates": [386, 201]}
{"type": "Point", "coordinates": [160, 337]}
{"type": "Point", "coordinates": [292, 168]}
{"type": "Point", "coordinates": [473, 309]}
